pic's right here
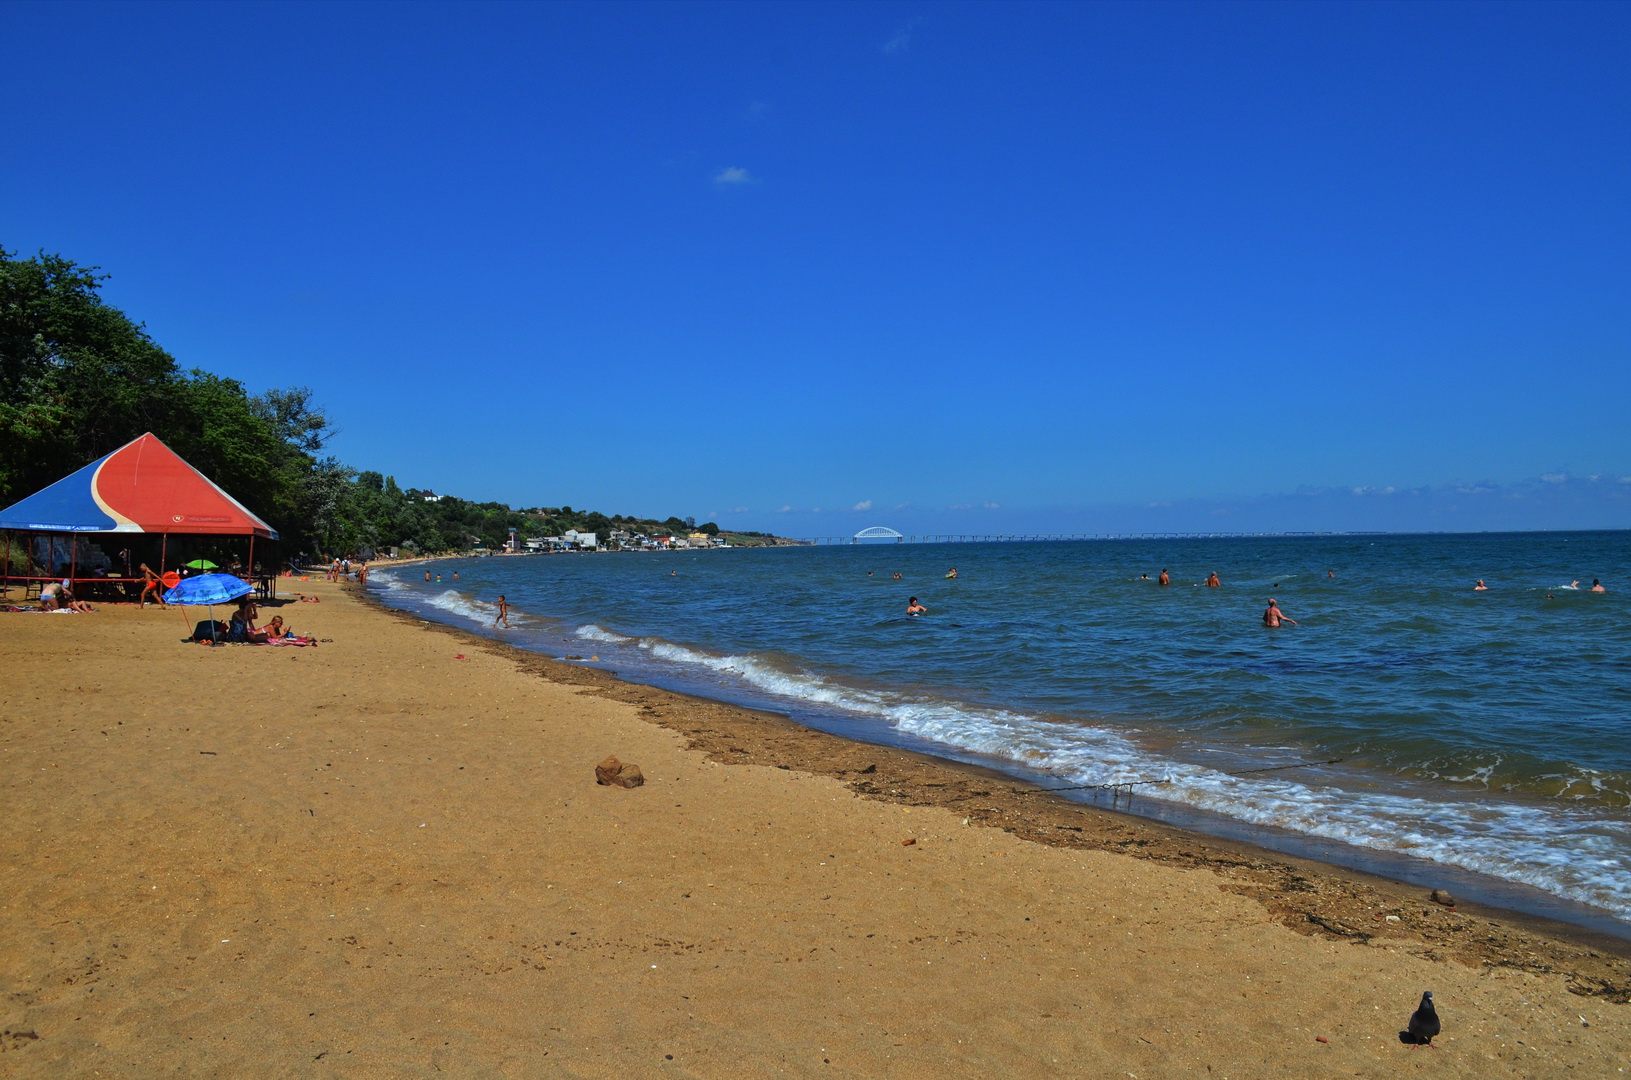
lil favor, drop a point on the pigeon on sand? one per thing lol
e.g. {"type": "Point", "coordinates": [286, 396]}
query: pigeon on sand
{"type": "Point", "coordinates": [1424, 1022]}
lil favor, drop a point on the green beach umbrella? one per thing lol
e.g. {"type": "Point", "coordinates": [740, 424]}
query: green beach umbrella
{"type": "Point", "coordinates": [203, 564]}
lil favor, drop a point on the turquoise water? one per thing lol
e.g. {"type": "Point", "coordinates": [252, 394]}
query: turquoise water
{"type": "Point", "coordinates": [1489, 731]}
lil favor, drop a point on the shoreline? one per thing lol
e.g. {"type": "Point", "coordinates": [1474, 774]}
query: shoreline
{"type": "Point", "coordinates": [1510, 897]}
{"type": "Point", "coordinates": [389, 852]}
{"type": "Point", "coordinates": [1349, 905]}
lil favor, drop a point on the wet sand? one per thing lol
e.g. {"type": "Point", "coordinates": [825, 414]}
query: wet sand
{"type": "Point", "coordinates": [387, 856]}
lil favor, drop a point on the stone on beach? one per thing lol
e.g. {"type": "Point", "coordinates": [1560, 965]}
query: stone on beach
{"type": "Point", "coordinates": [614, 773]}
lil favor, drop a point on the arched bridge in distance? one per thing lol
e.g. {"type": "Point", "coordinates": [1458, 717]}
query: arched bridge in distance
{"type": "Point", "coordinates": [877, 532]}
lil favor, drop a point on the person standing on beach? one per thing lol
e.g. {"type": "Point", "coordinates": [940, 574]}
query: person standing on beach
{"type": "Point", "coordinates": [152, 584]}
{"type": "Point", "coordinates": [503, 613]}
{"type": "Point", "coordinates": [1273, 616]}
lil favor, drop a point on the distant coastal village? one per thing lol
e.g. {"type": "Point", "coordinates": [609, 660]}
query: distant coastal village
{"type": "Point", "coordinates": [545, 531]}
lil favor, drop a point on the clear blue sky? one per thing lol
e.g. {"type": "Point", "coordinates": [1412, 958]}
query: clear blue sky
{"type": "Point", "coordinates": [983, 266]}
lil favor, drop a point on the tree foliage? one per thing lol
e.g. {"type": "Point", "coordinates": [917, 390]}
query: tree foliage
{"type": "Point", "coordinates": [79, 379]}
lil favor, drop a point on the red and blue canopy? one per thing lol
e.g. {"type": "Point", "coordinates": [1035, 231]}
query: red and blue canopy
{"type": "Point", "coordinates": [142, 487]}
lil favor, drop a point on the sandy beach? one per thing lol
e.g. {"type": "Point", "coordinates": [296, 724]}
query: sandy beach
{"type": "Point", "coordinates": [387, 856]}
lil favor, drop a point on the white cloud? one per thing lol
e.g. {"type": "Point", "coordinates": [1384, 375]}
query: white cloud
{"type": "Point", "coordinates": [904, 505]}
{"type": "Point", "coordinates": [903, 37]}
{"type": "Point", "coordinates": [738, 510]}
{"type": "Point", "coordinates": [864, 505]}
{"type": "Point", "coordinates": [1555, 477]}
{"type": "Point", "coordinates": [960, 506]}
{"type": "Point", "coordinates": [733, 175]}
{"type": "Point", "coordinates": [785, 510]}
{"type": "Point", "coordinates": [991, 506]}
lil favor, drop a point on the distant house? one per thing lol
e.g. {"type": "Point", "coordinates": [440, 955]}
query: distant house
{"type": "Point", "coordinates": [430, 496]}
{"type": "Point", "coordinates": [698, 539]}
{"type": "Point", "coordinates": [582, 539]}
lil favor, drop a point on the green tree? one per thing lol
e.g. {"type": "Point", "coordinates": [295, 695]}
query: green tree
{"type": "Point", "coordinates": [78, 379]}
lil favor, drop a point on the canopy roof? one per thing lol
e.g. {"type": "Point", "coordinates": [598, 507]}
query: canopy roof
{"type": "Point", "coordinates": [142, 487]}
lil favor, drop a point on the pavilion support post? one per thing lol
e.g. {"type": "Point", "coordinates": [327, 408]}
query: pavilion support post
{"type": "Point", "coordinates": [250, 566]}
{"type": "Point", "coordinates": [7, 591]}
{"type": "Point", "coordinates": [164, 545]}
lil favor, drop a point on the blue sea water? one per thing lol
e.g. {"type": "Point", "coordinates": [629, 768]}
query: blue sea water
{"type": "Point", "coordinates": [1488, 731]}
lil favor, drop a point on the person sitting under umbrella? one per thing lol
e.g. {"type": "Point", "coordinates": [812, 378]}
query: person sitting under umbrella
{"type": "Point", "coordinates": [242, 626]}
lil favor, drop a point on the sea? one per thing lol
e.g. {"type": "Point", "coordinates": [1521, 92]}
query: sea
{"type": "Point", "coordinates": [1408, 724]}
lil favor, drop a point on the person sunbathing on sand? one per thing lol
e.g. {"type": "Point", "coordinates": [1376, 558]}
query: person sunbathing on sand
{"type": "Point", "coordinates": [58, 597]}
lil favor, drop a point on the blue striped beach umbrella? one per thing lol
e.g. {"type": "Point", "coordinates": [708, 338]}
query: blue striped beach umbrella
{"type": "Point", "coordinates": [208, 589]}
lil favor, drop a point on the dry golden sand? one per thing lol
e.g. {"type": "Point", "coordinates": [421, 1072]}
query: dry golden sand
{"type": "Point", "coordinates": [376, 859]}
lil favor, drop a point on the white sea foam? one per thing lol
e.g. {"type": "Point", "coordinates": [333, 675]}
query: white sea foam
{"type": "Point", "coordinates": [455, 602]}
{"type": "Point", "coordinates": [596, 633]}
{"type": "Point", "coordinates": [1562, 851]}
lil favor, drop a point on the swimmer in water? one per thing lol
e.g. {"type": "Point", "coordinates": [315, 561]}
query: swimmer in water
{"type": "Point", "coordinates": [1213, 582]}
{"type": "Point", "coordinates": [503, 613]}
{"type": "Point", "coordinates": [952, 572]}
{"type": "Point", "coordinates": [1273, 616]}
{"type": "Point", "coordinates": [1597, 586]}
{"type": "Point", "coordinates": [897, 575]}
{"type": "Point", "coordinates": [1480, 587]}
{"type": "Point", "coordinates": [915, 608]}
{"type": "Point", "coordinates": [1143, 577]}
{"type": "Point", "coordinates": [1331, 573]}
{"type": "Point", "coordinates": [1164, 579]}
